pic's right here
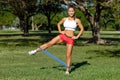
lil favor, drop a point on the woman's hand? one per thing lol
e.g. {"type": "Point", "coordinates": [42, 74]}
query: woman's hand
{"type": "Point", "coordinates": [75, 37]}
{"type": "Point", "coordinates": [62, 32]}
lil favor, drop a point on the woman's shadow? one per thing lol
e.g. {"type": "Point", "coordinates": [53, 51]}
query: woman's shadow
{"type": "Point", "coordinates": [78, 65]}
{"type": "Point", "coordinates": [74, 66]}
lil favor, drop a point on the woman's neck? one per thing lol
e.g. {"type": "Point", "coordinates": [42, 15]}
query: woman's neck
{"type": "Point", "coordinates": [71, 18]}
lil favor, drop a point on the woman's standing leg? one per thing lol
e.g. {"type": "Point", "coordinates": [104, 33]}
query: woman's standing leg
{"type": "Point", "coordinates": [69, 48]}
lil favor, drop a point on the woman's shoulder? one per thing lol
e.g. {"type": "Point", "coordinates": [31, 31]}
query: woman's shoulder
{"type": "Point", "coordinates": [63, 19]}
{"type": "Point", "coordinates": [78, 20]}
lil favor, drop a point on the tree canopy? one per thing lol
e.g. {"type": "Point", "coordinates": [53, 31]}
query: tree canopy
{"type": "Point", "coordinates": [23, 9]}
{"type": "Point", "coordinates": [92, 10]}
{"type": "Point", "coordinates": [93, 13]}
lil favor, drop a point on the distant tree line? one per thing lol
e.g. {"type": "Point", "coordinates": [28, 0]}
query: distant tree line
{"type": "Point", "coordinates": [94, 14]}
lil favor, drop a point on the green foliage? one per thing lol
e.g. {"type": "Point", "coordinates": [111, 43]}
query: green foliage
{"type": "Point", "coordinates": [116, 12]}
{"type": "Point", "coordinates": [20, 8]}
{"type": "Point", "coordinates": [23, 9]}
{"type": "Point", "coordinates": [6, 18]}
{"type": "Point", "coordinates": [111, 16]}
{"type": "Point", "coordinates": [39, 19]}
{"type": "Point", "coordinates": [57, 18]}
{"type": "Point", "coordinates": [81, 16]}
{"type": "Point", "coordinates": [49, 8]}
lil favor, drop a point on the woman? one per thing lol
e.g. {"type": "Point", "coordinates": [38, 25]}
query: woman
{"type": "Point", "coordinates": [70, 23]}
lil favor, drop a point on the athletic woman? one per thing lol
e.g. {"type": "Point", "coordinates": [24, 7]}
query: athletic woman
{"type": "Point", "coordinates": [67, 35]}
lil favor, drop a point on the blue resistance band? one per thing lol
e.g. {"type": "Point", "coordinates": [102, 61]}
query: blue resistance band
{"type": "Point", "coordinates": [54, 57]}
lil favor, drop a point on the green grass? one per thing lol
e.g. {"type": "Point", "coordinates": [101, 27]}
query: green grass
{"type": "Point", "coordinates": [89, 61]}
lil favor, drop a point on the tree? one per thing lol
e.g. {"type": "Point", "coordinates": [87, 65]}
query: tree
{"type": "Point", "coordinates": [107, 18]}
{"type": "Point", "coordinates": [116, 14]}
{"type": "Point", "coordinates": [93, 17]}
{"type": "Point", "coordinates": [111, 16]}
{"type": "Point", "coordinates": [38, 20]}
{"type": "Point", "coordinates": [49, 8]}
{"type": "Point", "coordinates": [6, 18]}
{"type": "Point", "coordinates": [23, 9]}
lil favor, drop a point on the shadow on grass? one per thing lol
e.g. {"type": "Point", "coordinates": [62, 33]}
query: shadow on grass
{"type": "Point", "coordinates": [15, 40]}
{"type": "Point", "coordinates": [109, 53]}
{"type": "Point", "coordinates": [23, 41]}
{"type": "Point", "coordinates": [74, 66]}
{"type": "Point", "coordinates": [8, 35]}
{"type": "Point", "coordinates": [78, 65]}
{"type": "Point", "coordinates": [106, 53]}
{"type": "Point", "coordinates": [30, 35]}
{"type": "Point", "coordinates": [41, 38]}
{"type": "Point", "coordinates": [112, 39]}
{"type": "Point", "coordinates": [44, 37]}
{"type": "Point", "coordinates": [19, 42]}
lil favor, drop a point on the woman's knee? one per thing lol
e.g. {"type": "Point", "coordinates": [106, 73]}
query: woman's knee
{"type": "Point", "coordinates": [68, 56]}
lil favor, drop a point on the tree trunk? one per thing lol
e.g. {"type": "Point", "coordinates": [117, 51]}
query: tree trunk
{"type": "Point", "coordinates": [32, 24]}
{"type": "Point", "coordinates": [96, 27]}
{"type": "Point", "coordinates": [49, 24]}
{"type": "Point", "coordinates": [21, 24]}
{"type": "Point", "coordinates": [96, 32]}
{"type": "Point", "coordinates": [24, 26]}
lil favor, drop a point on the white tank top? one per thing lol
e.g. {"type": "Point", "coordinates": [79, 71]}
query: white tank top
{"type": "Point", "coordinates": [70, 24]}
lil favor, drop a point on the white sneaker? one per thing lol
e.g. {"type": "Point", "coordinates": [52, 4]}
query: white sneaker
{"type": "Point", "coordinates": [32, 52]}
{"type": "Point", "coordinates": [67, 72]}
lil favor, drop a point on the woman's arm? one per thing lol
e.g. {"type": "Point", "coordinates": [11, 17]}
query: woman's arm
{"type": "Point", "coordinates": [81, 29]}
{"type": "Point", "coordinates": [59, 25]}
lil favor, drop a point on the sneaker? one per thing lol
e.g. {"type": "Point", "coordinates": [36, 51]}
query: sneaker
{"type": "Point", "coordinates": [67, 72]}
{"type": "Point", "coordinates": [32, 52]}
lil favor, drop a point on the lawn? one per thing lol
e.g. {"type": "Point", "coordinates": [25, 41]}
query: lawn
{"type": "Point", "coordinates": [89, 61]}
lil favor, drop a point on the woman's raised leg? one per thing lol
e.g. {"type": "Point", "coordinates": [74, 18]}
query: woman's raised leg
{"type": "Point", "coordinates": [55, 40]}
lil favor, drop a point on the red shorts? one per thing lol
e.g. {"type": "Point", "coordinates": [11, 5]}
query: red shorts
{"type": "Point", "coordinates": [66, 39]}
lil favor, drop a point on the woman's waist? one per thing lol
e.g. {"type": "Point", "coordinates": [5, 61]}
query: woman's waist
{"type": "Point", "coordinates": [69, 33]}
{"type": "Point", "coordinates": [72, 29]}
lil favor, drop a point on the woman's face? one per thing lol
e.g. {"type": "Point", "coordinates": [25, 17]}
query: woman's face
{"type": "Point", "coordinates": [71, 12]}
